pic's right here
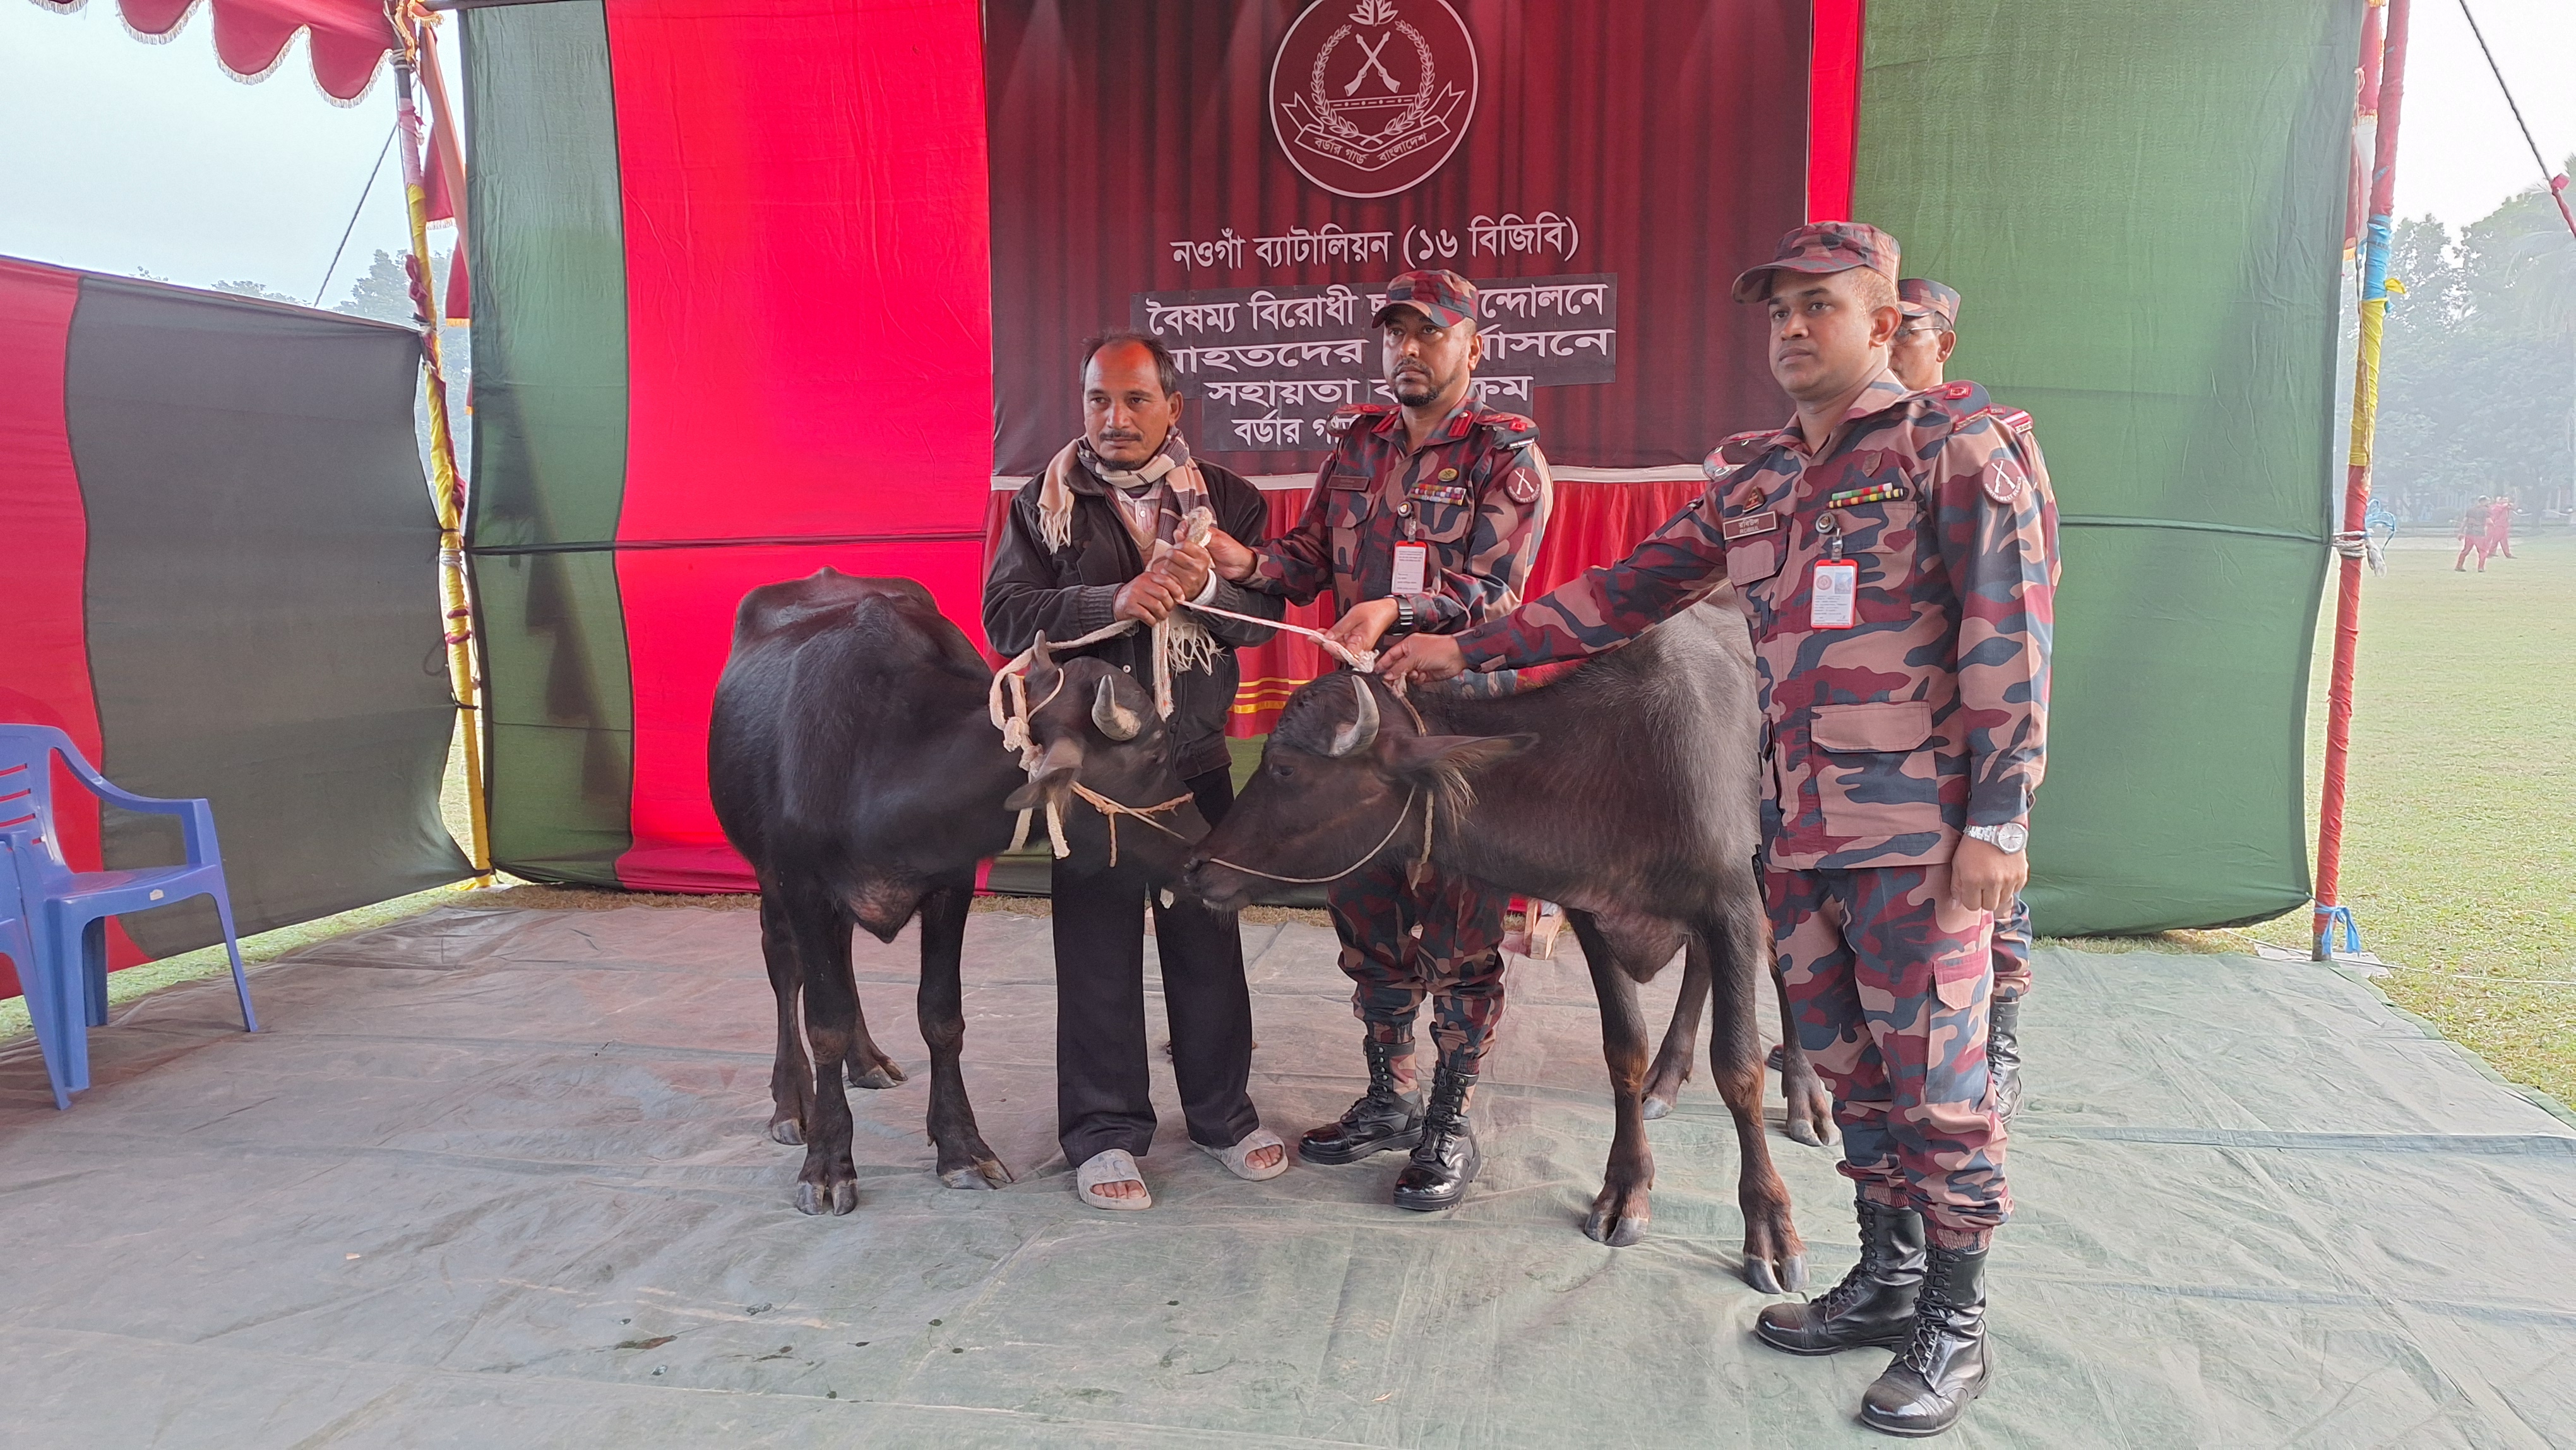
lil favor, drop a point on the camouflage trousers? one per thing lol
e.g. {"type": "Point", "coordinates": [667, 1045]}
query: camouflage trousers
{"type": "Point", "coordinates": [1401, 943]}
{"type": "Point", "coordinates": [1888, 983]}
{"type": "Point", "coordinates": [2012, 953]}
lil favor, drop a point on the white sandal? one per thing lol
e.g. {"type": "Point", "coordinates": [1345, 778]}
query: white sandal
{"type": "Point", "coordinates": [1238, 1158]}
{"type": "Point", "coordinates": [1113, 1165]}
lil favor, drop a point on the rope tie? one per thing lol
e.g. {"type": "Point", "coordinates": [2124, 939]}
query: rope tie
{"type": "Point", "coordinates": [2340, 916]}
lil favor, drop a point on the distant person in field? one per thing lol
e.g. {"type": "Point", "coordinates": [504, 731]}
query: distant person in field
{"type": "Point", "coordinates": [2500, 526]}
{"type": "Point", "coordinates": [2473, 535]}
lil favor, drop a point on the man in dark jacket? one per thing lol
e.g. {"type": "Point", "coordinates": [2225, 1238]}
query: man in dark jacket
{"type": "Point", "coordinates": [1103, 536]}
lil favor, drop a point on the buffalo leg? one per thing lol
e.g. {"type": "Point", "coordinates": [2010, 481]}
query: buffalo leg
{"type": "Point", "coordinates": [1775, 1258]}
{"type": "Point", "coordinates": [1808, 1115]}
{"type": "Point", "coordinates": [1619, 1214]}
{"type": "Point", "coordinates": [863, 1065]}
{"type": "Point", "coordinates": [1681, 1038]}
{"type": "Point", "coordinates": [964, 1161]}
{"type": "Point", "coordinates": [828, 1183]}
{"type": "Point", "coordinates": [791, 1078]}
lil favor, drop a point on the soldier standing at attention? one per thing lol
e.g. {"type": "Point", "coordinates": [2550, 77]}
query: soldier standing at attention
{"type": "Point", "coordinates": [1920, 358]}
{"type": "Point", "coordinates": [1889, 553]}
{"type": "Point", "coordinates": [1426, 519]}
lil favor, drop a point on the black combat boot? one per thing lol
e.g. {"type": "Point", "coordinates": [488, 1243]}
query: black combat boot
{"type": "Point", "coordinates": [1873, 1305]}
{"type": "Point", "coordinates": [2003, 1056]}
{"type": "Point", "coordinates": [1446, 1160]}
{"type": "Point", "coordinates": [1383, 1118]}
{"type": "Point", "coordinates": [1943, 1367]}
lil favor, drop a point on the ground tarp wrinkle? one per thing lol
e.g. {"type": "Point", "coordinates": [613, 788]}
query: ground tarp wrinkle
{"type": "Point", "coordinates": [499, 1176]}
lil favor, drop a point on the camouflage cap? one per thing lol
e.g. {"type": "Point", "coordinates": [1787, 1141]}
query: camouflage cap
{"type": "Point", "coordinates": [1923, 297]}
{"type": "Point", "coordinates": [1822, 247]}
{"type": "Point", "coordinates": [1445, 297]}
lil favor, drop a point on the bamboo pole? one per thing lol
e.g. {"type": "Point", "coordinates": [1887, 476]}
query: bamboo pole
{"type": "Point", "coordinates": [447, 484]}
{"type": "Point", "coordinates": [2330, 912]}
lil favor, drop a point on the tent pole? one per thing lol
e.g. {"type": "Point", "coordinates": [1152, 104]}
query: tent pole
{"type": "Point", "coordinates": [2356, 491]}
{"type": "Point", "coordinates": [447, 485]}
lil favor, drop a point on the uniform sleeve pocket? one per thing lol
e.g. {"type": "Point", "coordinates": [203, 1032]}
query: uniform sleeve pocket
{"type": "Point", "coordinates": [1882, 728]}
{"type": "Point", "coordinates": [1750, 561]}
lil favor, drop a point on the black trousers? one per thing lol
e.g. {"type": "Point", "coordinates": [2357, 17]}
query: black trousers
{"type": "Point", "coordinates": [1104, 1095]}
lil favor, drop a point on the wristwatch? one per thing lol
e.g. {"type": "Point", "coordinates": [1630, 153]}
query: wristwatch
{"type": "Point", "coordinates": [2008, 838]}
{"type": "Point", "coordinates": [1405, 621]}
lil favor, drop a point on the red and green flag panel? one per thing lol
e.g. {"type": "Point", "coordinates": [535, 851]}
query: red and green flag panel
{"type": "Point", "coordinates": [217, 575]}
{"type": "Point", "coordinates": [754, 279]}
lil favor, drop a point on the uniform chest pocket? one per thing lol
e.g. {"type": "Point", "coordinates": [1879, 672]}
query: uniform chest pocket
{"type": "Point", "coordinates": [1346, 508]}
{"type": "Point", "coordinates": [1443, 521]}
{"type": "Point", "coordinates": [1751, 560]}
{"type": "Point", "coordinates": [1884, 531]}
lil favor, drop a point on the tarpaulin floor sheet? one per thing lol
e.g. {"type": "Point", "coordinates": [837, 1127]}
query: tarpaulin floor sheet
{"type": "Point", "coordinates": [497, 1176]}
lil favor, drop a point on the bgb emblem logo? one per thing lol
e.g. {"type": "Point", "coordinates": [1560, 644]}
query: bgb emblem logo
{"type": "Point", "coordinates": [1371, 99]}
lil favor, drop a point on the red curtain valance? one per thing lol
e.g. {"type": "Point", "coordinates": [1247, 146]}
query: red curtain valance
{"type": "Point", "coordinates": [349, 37]}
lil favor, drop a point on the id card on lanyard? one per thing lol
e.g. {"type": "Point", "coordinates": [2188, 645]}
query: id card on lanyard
{"type": "Point", "coordinates": [1412, 568]}
{"type": "Point", "coordinates": [1830, 602]}
{"type": "Point", "coordinates": [1837, 580]}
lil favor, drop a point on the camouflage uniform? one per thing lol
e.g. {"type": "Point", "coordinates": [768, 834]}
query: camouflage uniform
{"type": "Point", "coordinates": [2012, 931]}
{"type": "Point", "coordinates": [1477, 493]}
{"type": "Point", "coordinates": [1881, 742]}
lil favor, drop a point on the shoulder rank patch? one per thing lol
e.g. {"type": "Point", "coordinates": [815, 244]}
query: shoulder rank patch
{"type": "Point", "coordinates": [1954, 392]}
{"type": "Point", "coordinates": [1508, 430]}
{"type": "Point", "coordinates": [1350, 415]}
{"type": "Point", "coordinates": [1744, 447]}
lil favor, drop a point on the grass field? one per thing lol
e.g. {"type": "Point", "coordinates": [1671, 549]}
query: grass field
{"type": "Point", "coordinates": [2460, 850]}
{"type": "Point", "coordinates": [2460, 827]}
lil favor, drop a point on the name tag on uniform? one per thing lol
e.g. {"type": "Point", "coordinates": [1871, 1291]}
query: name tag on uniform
{"type": "Point", "coordinates": [1412, 567]}
{"type": "Point", "coordinates": [1837, 584]}
{"type": "Point", "coordinates": [1745, 526]}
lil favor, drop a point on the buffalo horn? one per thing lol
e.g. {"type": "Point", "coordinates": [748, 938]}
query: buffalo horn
{"type": "Point", "coordinates": [1362, 731]}
{"type": "Point", "coordinates": [1115, 720]}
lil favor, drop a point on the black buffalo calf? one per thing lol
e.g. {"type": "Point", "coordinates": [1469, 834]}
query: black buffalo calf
{"type": "Point", "coordinates": [853, 763]}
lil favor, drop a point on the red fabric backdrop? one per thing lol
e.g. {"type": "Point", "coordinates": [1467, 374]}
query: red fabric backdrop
{"type": "Point", "coordinates": [44, 534]}
{"type": "Point", "coordinates": [810, 346]}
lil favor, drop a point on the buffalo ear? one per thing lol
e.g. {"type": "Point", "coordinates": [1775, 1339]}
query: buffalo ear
{"type": "Point", "coordinates": [1417, 757]}
{"type": "Point", "coordinates": [1039, 789]}
{"type": "Point", "coordinates": [1053, 777]}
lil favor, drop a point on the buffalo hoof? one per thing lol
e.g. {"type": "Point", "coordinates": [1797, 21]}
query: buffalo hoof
{"type": "Point", "coordinates": [883, 1075]}
{"type": "Point", "coordinates": [841, 1197]}
{"type": "Point", "coordinates": [1618, 1233]}
{"type": "Point", "coordinates": [982, 1173]}
{"type": "Point", "coordinates": [1654, 1107]}
{"type": "Point", "coordinates": [1809, 1119]}
{"type": "Point", "coordinates": [786, 1130]}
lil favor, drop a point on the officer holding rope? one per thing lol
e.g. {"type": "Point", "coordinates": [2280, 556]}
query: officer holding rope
{"type": "Point", "coordinates": [1426, 519]}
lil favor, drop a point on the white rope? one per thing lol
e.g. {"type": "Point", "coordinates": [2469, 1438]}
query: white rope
{"type": "Point", "coordinates": [1007, 701]}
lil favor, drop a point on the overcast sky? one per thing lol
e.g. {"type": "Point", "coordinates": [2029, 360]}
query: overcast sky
{"type": "Point", "coordinates": [119, 155]}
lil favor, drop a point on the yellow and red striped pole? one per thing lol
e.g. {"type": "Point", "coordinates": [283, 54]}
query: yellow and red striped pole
{"type": "Point", "coordinates": [447, 483]}
{"type": "Point", "coordinates": [2391, 63]}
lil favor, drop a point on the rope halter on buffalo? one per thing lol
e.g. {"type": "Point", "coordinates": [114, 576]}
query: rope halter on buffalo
{"type": "Point", "coordinates": [1007, 700]}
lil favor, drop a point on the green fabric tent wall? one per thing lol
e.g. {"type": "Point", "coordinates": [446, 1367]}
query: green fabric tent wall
{"type": "Point", "coordinates": [2143, 206]}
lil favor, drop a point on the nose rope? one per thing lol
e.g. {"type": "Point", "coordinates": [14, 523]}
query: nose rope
{"type": "Point", "coordinates": [1006, 701]}
{"type": "Point", "coordinates": [1371, 855]}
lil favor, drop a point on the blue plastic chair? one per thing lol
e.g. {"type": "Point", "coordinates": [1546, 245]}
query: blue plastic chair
{"type": "Point", "coordinates": [66, 911]}
{"type": "Point", "coordinates": [18, 944]}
